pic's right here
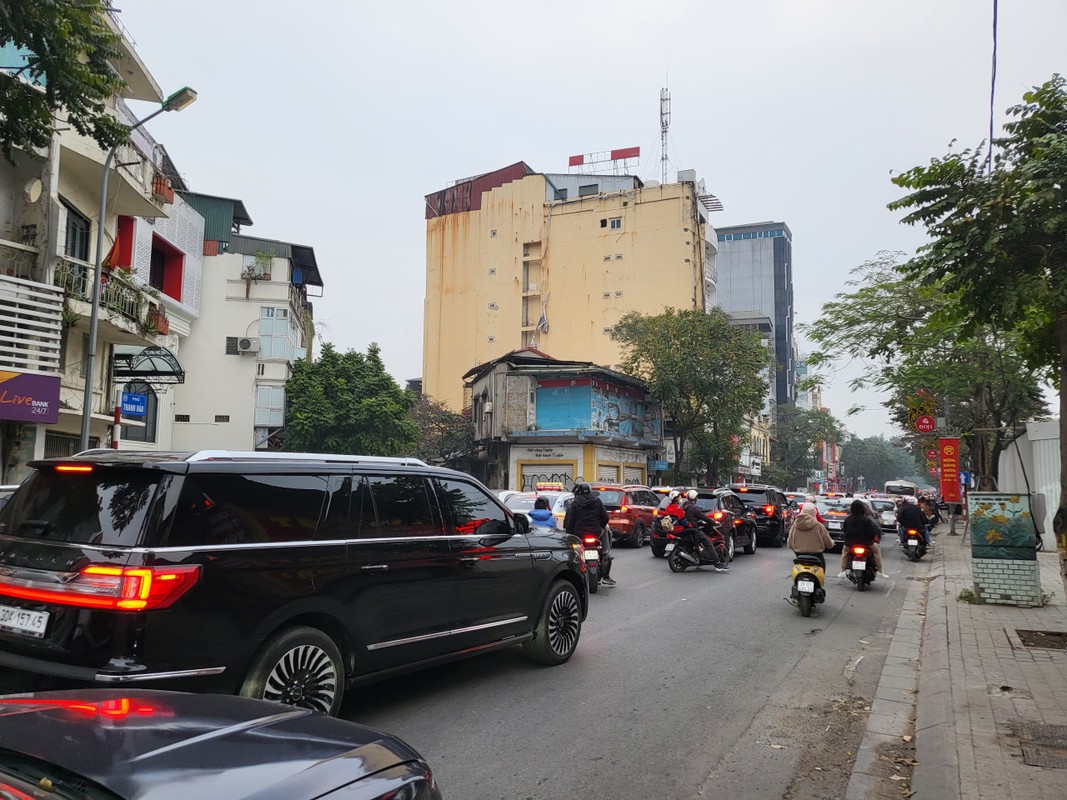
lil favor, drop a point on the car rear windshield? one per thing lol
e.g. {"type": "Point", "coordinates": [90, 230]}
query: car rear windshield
{"type": "Point", "coordinates": [610, 499]}
{"type": "Point", "coordinates": [756, 497]}
{"type": "Point", "coordinates": [98, 507]}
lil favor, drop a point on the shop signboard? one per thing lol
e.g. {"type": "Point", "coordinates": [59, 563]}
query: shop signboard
{"type": "Point", "coordinates": [950, 469]}
{"type": "Point", "coordinates": [25, 397]}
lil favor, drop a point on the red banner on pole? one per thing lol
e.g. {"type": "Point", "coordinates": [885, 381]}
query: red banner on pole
{"type": "Point", "coordinates": [950, 470]}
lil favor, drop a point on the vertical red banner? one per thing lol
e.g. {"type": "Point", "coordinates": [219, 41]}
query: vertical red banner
{"type": "Point", "coordinates": [950, 469]}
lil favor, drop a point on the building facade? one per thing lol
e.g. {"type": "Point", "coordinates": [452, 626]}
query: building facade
{"type": "Point", "coordinates": [755, 273]}
{"type": "Point", "coordinates": [538, 419]}
{"type": "Point", "coordinates": [256, 322]}
{"type": "Point", "coordinates": [517, 258]}
{"type": "Point", "coordinates": [50, 224]}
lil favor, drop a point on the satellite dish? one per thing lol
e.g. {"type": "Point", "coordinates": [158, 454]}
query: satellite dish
{"type": "Point", "coordinates": [33, 189]}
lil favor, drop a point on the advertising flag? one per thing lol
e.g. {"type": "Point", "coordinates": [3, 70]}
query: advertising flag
{"type": "Point", "coordinates": [950, 469]}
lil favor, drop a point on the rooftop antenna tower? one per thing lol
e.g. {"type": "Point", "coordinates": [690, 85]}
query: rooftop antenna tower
{"type": "Point", "coordinates": [664, 127]}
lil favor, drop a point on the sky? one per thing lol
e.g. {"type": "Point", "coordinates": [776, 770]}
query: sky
{"type": "Point", "coordinates": [332, 121]}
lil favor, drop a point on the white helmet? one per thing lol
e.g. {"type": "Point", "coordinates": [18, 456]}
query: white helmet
{"type": "Point", "coordinates": [911, 499]}
{"type": "Point", "coordinates": [674, 494]}
{"type": "Point", "coordinates": [692, 494]}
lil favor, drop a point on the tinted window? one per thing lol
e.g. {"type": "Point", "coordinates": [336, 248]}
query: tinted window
{"type": "Point", "coordinates": [610, 498]}
{"type": "Point", "coordinates": [104, 506]}
{"type": "Point", "coordinates": [708, 503]}
{"type": "Point", "coordinates": [403, 506]}
{"type": "Point", "coordinates": [350, 512]}
{"type": "Point", "coordinates": [470, 510]}
{"type": "Point", "coordinates": [229, 508]}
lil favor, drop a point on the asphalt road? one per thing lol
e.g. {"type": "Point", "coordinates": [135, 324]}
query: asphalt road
{"type": "Point", "coordinates": [698, 684]}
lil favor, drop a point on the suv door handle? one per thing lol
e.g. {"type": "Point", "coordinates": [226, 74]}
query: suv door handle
{"type": "Point", "coordinates": [375, 568]}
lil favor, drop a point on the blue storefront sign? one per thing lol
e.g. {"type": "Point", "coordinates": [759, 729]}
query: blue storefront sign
{"type": "Point", "coordinates": [658, 466]}
{"type": "Point", "coordinates": [134, 405]}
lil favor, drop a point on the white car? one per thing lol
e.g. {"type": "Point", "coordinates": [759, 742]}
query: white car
{"type": "Point", "coordinates": [504, 494]}
{"type": "Point", "coordinates": [558, 503]}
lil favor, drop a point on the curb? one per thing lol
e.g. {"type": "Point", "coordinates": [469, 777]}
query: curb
{"type": "Point", "coordinates": [937, 774]}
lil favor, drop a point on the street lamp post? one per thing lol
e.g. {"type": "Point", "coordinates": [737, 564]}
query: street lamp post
{"type": "Point", "coordinates": [176, 102]}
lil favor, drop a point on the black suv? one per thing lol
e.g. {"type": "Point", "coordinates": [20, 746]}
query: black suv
{"type": "Point", "coordinates": [723, 507]}
{"type": "Point", "coordinates": [274, 575]}
{"type": "Point", "coordinates": [771, 509]}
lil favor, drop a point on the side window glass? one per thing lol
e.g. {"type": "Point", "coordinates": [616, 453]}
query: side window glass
{"type": "Point", "coordinates": [229, 508]}
{"type": "Point", "coordinates": [350, 512]}
{"type": "Point", "coordinates": [403, 506]}
{"type": "Point", "coordinates": [468, 510]}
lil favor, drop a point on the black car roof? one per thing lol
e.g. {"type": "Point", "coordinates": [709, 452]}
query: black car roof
{"type": "Point", "coordinates": [136, 743]}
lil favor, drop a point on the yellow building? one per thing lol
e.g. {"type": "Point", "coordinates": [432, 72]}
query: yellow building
{"type": "Point", "coordinates": [516, 258]}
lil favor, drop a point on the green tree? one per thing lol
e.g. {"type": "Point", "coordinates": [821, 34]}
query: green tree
{"type": "Point", "coordinates": [347, 403]}
{"type": "Point", "coordinates": [878, 460]}
{"type": "Point", "coordinates": [897, 328]}
{"type": "Point", "coordinates": [444, 437]}
{"type": "Point", "coordinates": [797, 433]}
{"type": "Point", "coordinates": [69, 49]}
{"type": "Point", "coordinates": [709, 375]}
{"type": "Point", "coordinates": [998, 236]}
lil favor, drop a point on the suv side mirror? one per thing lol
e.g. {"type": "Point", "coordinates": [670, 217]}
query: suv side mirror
{"type": "Point", "coordinates": [522, 524]}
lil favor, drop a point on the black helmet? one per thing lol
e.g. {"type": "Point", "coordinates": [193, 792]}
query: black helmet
{"type": "Point", "coordinates": [582, 488]}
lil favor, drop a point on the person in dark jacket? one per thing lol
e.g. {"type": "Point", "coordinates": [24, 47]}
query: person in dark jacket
{"type": "Point", "coordinates": [911, 516]}
{"type": "Point", "coordinates": [588, 517]}
{"type": "Point", "coordinates": [860, 528]}
{"type": "Point", "coordinates": [696, 519]}
{"type": "Point", "coordinates": [541, 516]}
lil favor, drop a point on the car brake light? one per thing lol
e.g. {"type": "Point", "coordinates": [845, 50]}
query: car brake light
{"type": "Point", "coordinates": [74, 468]}
{"type": "Point", "coordinates": [110, 587]}
{"type": "Point", "coordinates": [768, 510]}
{"type": "Point", "coordinates": [623, 510]}
{"type": "Point", "coordinates": [590, 540]}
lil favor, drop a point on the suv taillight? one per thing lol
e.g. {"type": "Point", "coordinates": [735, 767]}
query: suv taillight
{"type": "Point", "coordinates": [768, 510]}
{"type": "Point", "coordinates": [110, 587]}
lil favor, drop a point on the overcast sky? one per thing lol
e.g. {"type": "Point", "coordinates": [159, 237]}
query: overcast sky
{"type": "Point", "coordinates": [332, 120]}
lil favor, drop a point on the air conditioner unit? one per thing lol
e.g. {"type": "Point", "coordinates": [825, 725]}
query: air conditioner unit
{"type": "Point", "coordinates": [246, 345]}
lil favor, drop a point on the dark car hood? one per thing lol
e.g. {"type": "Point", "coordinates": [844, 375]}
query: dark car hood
{"type": "Point", "coordinates": [149, 745]}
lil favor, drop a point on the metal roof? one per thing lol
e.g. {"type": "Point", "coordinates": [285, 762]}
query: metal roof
{"type": "Point", "coordinates": [223, 216]}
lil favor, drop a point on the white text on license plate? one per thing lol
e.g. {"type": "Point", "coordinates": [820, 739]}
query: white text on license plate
{"type": "Point", "coordinates": [806, 586]}
{"type": "Point", "coordinates": [23, 621]}
{"type": "Point", "coordinates": [913, 542]}
{"type": "Point", "coordinates": [592, 555]}
{"type": "Point", "coordinates": [669, 547]}
{"type": "Point", "coordinates": [859, 565]}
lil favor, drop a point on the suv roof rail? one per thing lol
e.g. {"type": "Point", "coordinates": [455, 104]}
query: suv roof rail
{"type": "Point", "coordinates": [274, 455]}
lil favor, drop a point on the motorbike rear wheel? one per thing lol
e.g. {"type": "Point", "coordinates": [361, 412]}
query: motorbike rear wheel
{"type": "Point", "coordinates": [675, 560]}
{"type": "Point", "coordinates": [593, 576]}
{"type": "Point", "coordinates": [861, 581]}
{"type": "Point", "coordinates": [804, 601]}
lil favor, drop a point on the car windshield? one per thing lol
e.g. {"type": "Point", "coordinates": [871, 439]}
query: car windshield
{"type": "Point", "coordinates": [102, 506]}
{"type": "Point", "coordinates": [610, 498]}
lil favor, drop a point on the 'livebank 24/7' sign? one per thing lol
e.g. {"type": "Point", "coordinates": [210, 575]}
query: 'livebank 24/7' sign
{"type": "Point", "coordinates": [29, 398]}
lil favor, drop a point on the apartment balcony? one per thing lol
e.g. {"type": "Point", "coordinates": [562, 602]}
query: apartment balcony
{"type": "Point", "coordinates": [128, 312]}
{"type": "Point", "coordinates": [31, 325]}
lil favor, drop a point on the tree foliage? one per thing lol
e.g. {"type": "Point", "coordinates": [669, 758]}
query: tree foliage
{"type": "Point", "coordinates": [708, 374]}
{"type": "Point", "coordinates": [900, 331]}
{"type": "Point", "coordinates": [444, 437]}
{"type": "Point", "coordinates": [998, 236]}
{"type": "Point", "coordinates": [798, 432]}
{"type": "Point", "coordinates": [347, 403]}
{"type": "Point", "coordinates": [70, 47]}
{"type": "Point", "coordinates": [879, 460]}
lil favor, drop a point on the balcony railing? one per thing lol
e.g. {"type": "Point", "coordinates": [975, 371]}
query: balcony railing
{"type": "Point", "coordinates": [30, 325]}
{"type": "Point", "coordinates": [118, 295]}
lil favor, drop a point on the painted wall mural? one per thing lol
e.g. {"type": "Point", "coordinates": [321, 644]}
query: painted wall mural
{"type": "Point", "coordinates": [617, 410]}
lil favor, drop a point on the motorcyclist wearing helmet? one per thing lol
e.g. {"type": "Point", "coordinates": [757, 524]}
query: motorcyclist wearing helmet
{"type": "Point", "coordinates": [696, 519]}
{"type": "Point", "coordinates": [911, 516]}
{"type": "Point", "coordinates": [588, 517]}
{"type": "Point", "coordinates": [673, 507]}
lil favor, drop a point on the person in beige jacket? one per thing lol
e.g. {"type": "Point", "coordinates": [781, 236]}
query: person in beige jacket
{"type": "Point", "coordinates": [808, 536]}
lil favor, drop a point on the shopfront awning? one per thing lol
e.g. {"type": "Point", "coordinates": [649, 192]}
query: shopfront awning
{"type": "Point", "coordinates": [151, 364]}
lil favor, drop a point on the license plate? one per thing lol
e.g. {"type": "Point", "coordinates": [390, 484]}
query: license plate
{"type": "Point", "coordinates": [32, 623]}
{"type": "Point", "coordinates": [913, 542]}
{"type": "Point", "coordinates": [859, 565]}
{"type": "Point", "coordinates": [807, 587]}
{"type": "Point", "coordinates": [592, 555]}
{"type": "Point", "coordinates": [669, 547]}
{"type": "Point", "coordinates": [834, 525]}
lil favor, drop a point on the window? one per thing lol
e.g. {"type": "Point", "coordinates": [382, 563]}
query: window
{"type": "Point", "coordinates": [167, 267]}
{"type": "Point", "coordinates": [604, 223]}
{"type": "Point", "coordinates": [230, 508]}
{"type": "Point", "coordinates": [561, 194]}
{"type": "Point", "coordinates": [222, 418]}
{"type": "Point", "coordinates": [278, 334]}
{"type": "Point", "coordinates": [270, 406]}
{"type": "Point", "coordinates": [77, 241]}
{"type": "Point", "coordinates": [147, 432]}
{"type": "Point", "coordinates": [616, 223]}
{"type": "Point", "coordinates": [468, 510]}
{"type": "Point", "coordinates": [403, 506]}
{"type": "Point", "coordinates": [587, 190]}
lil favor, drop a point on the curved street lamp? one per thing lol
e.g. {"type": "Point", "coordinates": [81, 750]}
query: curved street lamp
{"type": "Point", "coordinates": [183, 98]}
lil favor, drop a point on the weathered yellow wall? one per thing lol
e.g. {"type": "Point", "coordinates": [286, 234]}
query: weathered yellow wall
{"type": "Point", "coordinates": [655, 261]}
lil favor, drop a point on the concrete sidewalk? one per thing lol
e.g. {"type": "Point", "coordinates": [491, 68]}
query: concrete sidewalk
{"type": "Point", "coordinates": [989, 718]}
